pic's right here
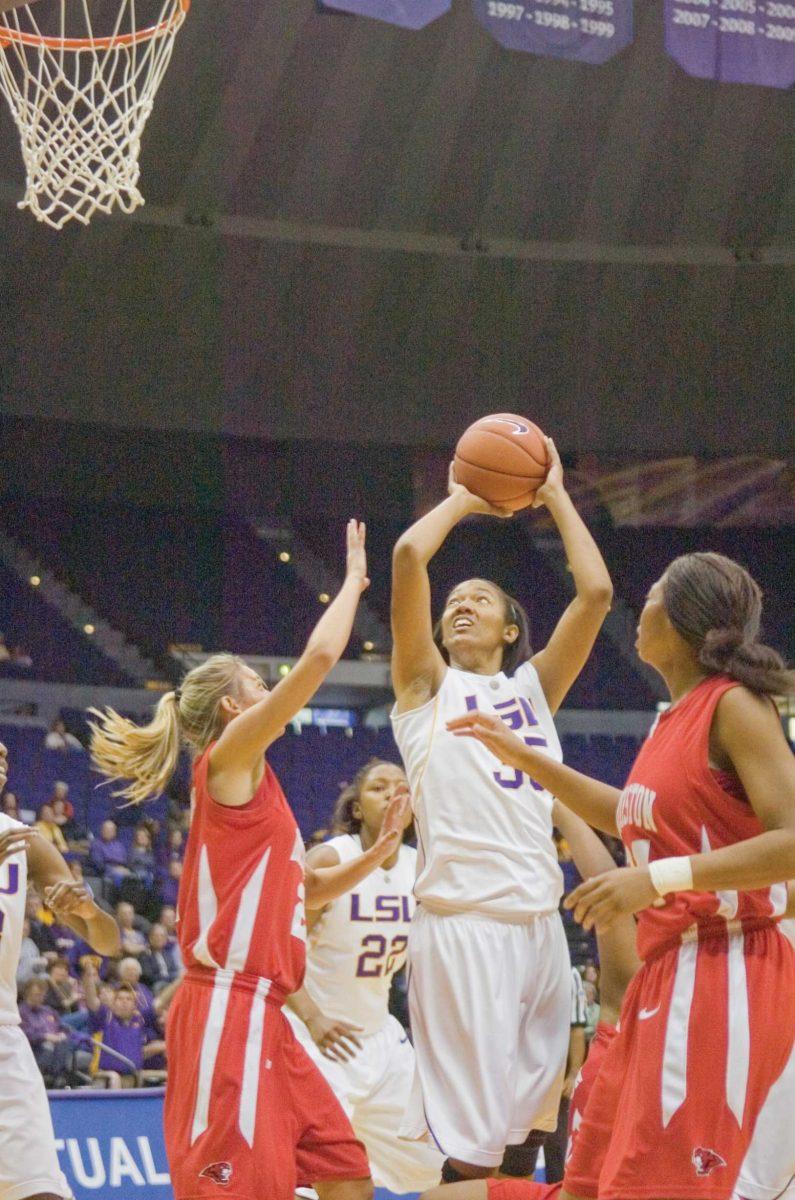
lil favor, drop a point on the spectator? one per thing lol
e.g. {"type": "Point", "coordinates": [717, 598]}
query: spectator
{"type": "Point", "coordinates": [32, 962]}
{"type": "Point", "coordinates": [133, 941]}
{"type": "Point", "coordinates": [129, 972]}
{"type": "Point", "coordinates": [75, 836]}
{"type": "Point", "coordinates": [60, 791]}
{"type": "Point", "coordinates": [169, 883]}
{"type": "Point", "coordinates": [49, 830]}
{"type": "Point", "coordinates": [108, 854]}
{"type": "Point", "coordinates": [141, 859]}
{"type": "Point", "coordinates": [5, 653]}
{"type": "Point", "coordinates": [48, 1038]}
{"type": "Point", "coordinates": [176, 844]}
{"type": "Point", "coordinates": [65, 995]}
{"type": "Point", "coordinates": [40, 928]}
{"type": "Point", "coordinates": [122, 1028]}
{"type": "Point", "coordinates": [10, 806]}
{"type": "Point", "coordinates": [591, 1009]}
{"type": "Point", "coordinates": [59, 738]}
{"type": "Point", "coordinates": [159, 965]}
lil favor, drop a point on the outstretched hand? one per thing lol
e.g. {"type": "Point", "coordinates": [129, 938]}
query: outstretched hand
{"type": "Point", "coordinates": [492, 732]}
{"type": "Point", "coordinates": [356, 559]}
{"type": "Point", "coordinates": [70, 899]}
{"type": "Point", "coordinates": [475, 503]}
{"type": "Point", "coordinates": [601, 900]}
{"type": "Point", "coordinates": [393, 826]}
{"type": "Point", "coordinates": [553, 484]}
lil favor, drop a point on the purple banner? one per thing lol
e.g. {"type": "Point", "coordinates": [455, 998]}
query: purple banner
{"type": "Point", "coordinates": [590, 31]}
{"type": "Point", "coordinates": [408, 14]}
{"type": "Point", "coordinates": [733, 41]}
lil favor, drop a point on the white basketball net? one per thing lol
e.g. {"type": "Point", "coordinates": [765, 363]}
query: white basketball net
{"type": "Point", "coordinates": [81, 101]}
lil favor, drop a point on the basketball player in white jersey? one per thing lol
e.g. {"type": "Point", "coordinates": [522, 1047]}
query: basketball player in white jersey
{"type": "Point", "coordinates": [28, 1161]}
{"type": "Point", "coordinates": [490, 986]}
{"type": "Point", "coordinates": [355, 946]}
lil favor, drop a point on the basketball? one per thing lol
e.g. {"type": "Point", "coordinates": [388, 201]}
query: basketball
{"type": "Point", "coordinates": [502, 458]}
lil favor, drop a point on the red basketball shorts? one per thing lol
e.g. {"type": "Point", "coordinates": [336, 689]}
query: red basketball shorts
{"type": "Point", "coordinates": [521, 1189]}
{"type": "Point", "coordinates": [706, 1029]}
{"type": "Point", "coordinates": [247, 1113]}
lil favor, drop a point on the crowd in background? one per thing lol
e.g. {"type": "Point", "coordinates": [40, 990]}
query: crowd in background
{"type": "Point", "coordinates": [93, 1020]}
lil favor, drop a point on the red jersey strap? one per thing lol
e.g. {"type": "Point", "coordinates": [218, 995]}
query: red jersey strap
{"type": "Point", "coordinates": [238, 813]}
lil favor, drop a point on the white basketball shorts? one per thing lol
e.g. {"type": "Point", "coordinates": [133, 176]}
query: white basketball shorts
{"type": "Point", "coordinates": [373, 1088]}
{"type": "Point", "coordinates": [490, 1006]}
{"type": "Point", "coordinates": [28, 1160]}
{"type": "Point", "coordinates": [768, 1172]}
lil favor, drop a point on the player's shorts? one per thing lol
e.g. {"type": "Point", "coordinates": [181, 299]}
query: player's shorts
{"type": "Point", "coordinates": [521, 1189]}
{"type": "Point", "coordinates": [706, 1029]}
{"type": "Point", "coordinates": [28, 1160]}
{"type": "Point", "coordinates": [490, 1006]}
{"type": "Point", "coordinates": [373, 1088]}
{"type": "Point", "coordinates": [768, 1172]}
{"type": "Point", "coordinates": [601, 1042]}
{"type": "Point", "coordinates": [244, 1102]}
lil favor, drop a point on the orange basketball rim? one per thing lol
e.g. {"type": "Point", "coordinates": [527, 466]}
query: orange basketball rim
{"type": "Point", "coordinates": [81, 100]}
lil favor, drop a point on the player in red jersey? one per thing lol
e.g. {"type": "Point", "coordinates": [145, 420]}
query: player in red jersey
{"type": "Point", "coordinates": [246, 1110]}
{"type": "Point", "coordinates": [618, 961]}
{"type": "Point", "coordinates": [708, 820]}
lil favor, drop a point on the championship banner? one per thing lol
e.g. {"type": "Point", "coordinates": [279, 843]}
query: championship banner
{"type": "Point", "coordinates": [733, 41]}
{"type": "Point", "coordinates": [589, 31]}
{"type": "Point", "coordinates": [408, 14]}
{"type": "Point", "coordinates": [110, 1145]}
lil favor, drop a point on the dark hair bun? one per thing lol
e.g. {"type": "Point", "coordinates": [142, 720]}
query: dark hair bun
{"type": "Point", "coordinates": [720, 645]}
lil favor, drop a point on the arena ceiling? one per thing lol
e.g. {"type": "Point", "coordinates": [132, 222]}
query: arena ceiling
{"type": "Point", "coordinates": [356, 231]}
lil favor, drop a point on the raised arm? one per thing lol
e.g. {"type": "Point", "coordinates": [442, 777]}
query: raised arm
{"type": "Point", "coordinates": [239, 750]}
{"type": "Point", "coordinates": [417, 665]}
{"type": "Point", "coordinates": [70, 901]}
{"type": "Point", "coordinates": [595, 802]}
{"type": "Point", "coordinates": [567, 650]}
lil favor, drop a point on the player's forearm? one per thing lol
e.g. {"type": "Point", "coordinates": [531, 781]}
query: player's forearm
{"type": "Point", "coordinates": [332, 632]}
{"type": "Point", "coordinates": [302, 1004]}
{"type": "Point", "coordinates": [576, 1050]}
{"type": "Point", "coordinates": [324, 884]}
{"type": "Point", "coordinates": [591, 856]}
{"type": "Point", "coordinates": [758, 862]}
{"type": "Point", "coordinates": [422, 539]}
{"type": "Point", "coordinates": [100, 931]}
{"type": "Point", "coordinates": [594, 801]}
{"type": "Point", "coordinates": [589, 571]}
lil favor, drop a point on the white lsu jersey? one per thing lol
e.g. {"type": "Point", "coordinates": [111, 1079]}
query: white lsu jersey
{"type": "Point", "coordinates": [360, 941]}
{"type": "Point", "coordinates": [13, 892]}
{"type": "Point", "coordinates": [484, 830]}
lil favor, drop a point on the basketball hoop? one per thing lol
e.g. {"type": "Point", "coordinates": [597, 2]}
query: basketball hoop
{"type": "Point", "coordinates": [81, 104]}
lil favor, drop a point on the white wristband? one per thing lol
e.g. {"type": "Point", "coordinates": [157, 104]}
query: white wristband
{"type": "Point", "coordinates": [671, 875]}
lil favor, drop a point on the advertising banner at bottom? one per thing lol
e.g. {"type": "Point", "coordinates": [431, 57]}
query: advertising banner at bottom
{"type": "Point", "coordinates": [110, 1144]}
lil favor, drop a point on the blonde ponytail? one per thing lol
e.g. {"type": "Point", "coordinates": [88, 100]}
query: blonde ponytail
{"type": "Point", "coordinates": [147, 755]}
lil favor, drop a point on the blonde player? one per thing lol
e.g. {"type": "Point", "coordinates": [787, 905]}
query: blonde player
{"type": "Point", "coordinates": [28, 1161]}
{"type": "Point", "coordinates": [356, 944]}
{"type": "Point", "coordinates": [490, 984]}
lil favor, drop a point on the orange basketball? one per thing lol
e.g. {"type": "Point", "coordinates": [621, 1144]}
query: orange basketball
{"type": "Point", "coordinates": [503, 459]}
